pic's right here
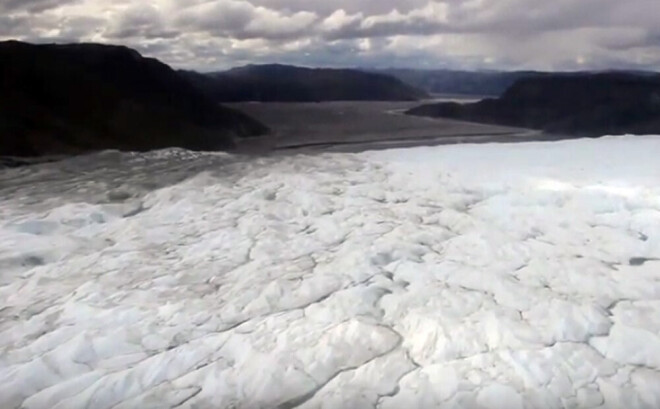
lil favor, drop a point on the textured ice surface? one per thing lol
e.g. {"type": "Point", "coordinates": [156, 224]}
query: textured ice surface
{"type": "Point", "coordinates": [491, 276]}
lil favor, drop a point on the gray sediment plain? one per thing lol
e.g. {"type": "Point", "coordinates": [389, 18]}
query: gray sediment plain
{"type": "Point", "coordinates": [349, 126]}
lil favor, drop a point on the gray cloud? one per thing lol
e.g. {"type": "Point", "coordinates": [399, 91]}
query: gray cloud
{"type": "Point", "coordinates": [632, 40]}
{"type": "Point", "coordinates": [12, 24]}
{"type": "Point", "coordinates": [244, 20]}
{"type": "Point", "coordinates": [214, 34]}
{"type": "Point", "coordinates": [325, 8]}
{"type": "Point", "coordinates": [33, 6]}
{"type": "Point", "coordinates": [140, 21]}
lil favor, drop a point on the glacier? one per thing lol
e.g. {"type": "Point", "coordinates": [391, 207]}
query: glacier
{"type": "Point", "coordinates": [518, 275]}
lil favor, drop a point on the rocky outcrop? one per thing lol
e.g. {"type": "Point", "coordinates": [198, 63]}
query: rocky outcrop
{"type": "Point", "coordinates": [61, 99]}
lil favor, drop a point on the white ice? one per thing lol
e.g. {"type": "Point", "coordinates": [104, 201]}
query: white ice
{"type": "Point", "coordinates": [469, 276]}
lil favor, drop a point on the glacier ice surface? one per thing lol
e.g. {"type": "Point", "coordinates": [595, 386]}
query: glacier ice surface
{"type": "Point", "coordinates": [469, 276]}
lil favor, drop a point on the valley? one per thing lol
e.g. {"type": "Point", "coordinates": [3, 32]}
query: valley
{"type": "Point", "coordinates": [351, 126]}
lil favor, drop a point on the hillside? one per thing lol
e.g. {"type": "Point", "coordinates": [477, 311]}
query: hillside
{"type": "Point", "coordinates": [479, 83]}
{"type": "Point", "coordinates": [61, 99]}
{"type": "Point", "coordinates": [283, 83]}
{"type": "Point", "coordinates": [578, 104]}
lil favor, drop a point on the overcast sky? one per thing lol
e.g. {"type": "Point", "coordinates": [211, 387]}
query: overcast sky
{"type": "Point", "coordinates": [472, 34]}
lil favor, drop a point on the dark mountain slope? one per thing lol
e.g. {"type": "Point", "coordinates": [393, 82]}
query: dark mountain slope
{"type": "Point", "coordinates": [579, 104]}
{"type": "Point", "coordinates": [479, 83]}
{"type": "Point", "coordinates": [60, 99]}
{"type": "Point", "coordinates": [283, 83]}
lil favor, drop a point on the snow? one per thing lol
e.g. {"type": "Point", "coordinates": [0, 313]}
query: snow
{"type": "Point", "coordinates": [469, 276]}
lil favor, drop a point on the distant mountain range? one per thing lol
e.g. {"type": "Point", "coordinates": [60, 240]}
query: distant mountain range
{"type": "Point", "coordinates": [285, 83]}
{"type": "Point", "coordinates": [61, 99]}
{"type": "Point", "coordinates": [478, 83]}
{"type": "Point", "coordinates": [475, 83]}
{"type": "Point", "coordinates": [587, 104]}
{"type": "Point", "coordinates": [64, 99]}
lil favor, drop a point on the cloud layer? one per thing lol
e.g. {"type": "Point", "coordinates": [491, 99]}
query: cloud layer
{"type": "Point", "coordinates": [216, 34]}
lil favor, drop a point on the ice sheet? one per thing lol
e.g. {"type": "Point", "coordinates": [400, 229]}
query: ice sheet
{"type": "Point", "coordinates": [469, 276]}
